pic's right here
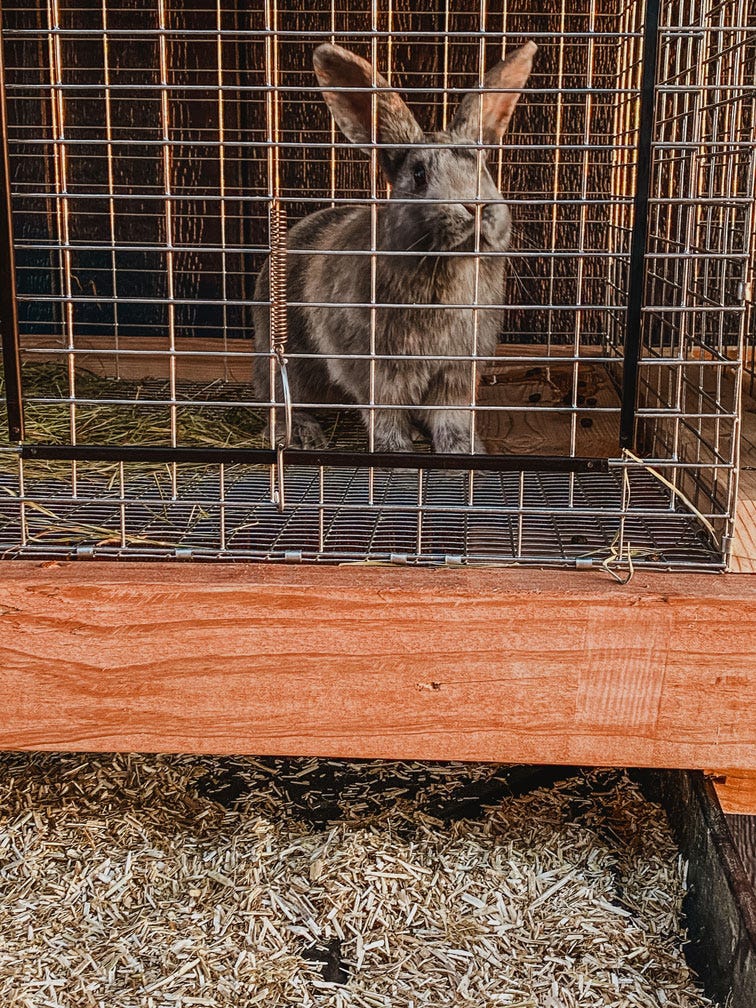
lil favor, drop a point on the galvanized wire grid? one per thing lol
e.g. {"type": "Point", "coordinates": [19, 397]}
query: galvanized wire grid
{"type": "Point", "coordinates": [749, 287]}
{"type": "Point", "coordinates": [149, 143]}
{"type": "Point", "coordinates": [226, 513]}
{"type": "Point", "coordinates": [701, 251]}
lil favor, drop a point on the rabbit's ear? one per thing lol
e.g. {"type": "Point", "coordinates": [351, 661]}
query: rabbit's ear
{"type": "Point", "coordinates": [494, 107]}
{"type": "Point", "coordinates": [337, 68]}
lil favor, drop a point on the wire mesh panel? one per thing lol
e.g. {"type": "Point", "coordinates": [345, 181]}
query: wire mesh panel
{"type": "Point", "coordinates": [700, 253]}
{"type": "Point", "coordinates": [368, 282]}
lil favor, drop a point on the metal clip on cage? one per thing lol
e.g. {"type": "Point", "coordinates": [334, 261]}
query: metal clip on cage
{"type": "Point", "coordinates": [277, 262]}
{"type": "Point", "coordinates": [278, 335]}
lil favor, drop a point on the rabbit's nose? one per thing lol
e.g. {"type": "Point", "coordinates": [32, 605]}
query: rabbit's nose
{"type": "Point", "coordinates": [471, 208]}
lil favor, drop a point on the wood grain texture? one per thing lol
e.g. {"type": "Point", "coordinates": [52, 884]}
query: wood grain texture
{"type": "Point", "coordinates": [744, 537]}
{"type": "Point", "coordinates": [720, 903]}
{"type": "Point", "coordinates": [743, 830]}
{"type": "Point", "coordinates": [148, 357]}
{"type": "Point", "coordinates": [502, 665]}
{"type": "Point", "coordinates": [736, 790]}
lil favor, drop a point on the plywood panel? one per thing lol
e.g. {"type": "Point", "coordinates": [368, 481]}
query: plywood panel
{"type": "Point", "coordinates": [144, 357]}
{"type": "Point", "coordinates": [744, 538]}
{"type": "Point", "coordinates": [539, 399]}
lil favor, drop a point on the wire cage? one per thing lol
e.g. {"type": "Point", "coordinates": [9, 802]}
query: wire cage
{"type": "Point", "coordinates": [196, 366]}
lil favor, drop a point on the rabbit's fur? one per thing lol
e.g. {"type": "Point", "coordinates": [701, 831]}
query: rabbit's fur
{"type": "Point", "coordinates": [420, 226]}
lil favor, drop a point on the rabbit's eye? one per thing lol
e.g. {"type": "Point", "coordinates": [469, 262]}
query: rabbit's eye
{"type": "Point", "coordinates": [419, 177]}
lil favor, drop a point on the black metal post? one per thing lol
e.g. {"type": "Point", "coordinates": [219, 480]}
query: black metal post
{"type": "Point", "coordinates": [639, 237]}
{"type": "Point", "coordinates": [8, 306]}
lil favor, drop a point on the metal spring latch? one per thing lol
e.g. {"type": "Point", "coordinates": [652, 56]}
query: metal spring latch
{"type": "Point", "coordinates": [278, 337]}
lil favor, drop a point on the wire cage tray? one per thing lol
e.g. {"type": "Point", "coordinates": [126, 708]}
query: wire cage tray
{"type": "Point", "coordinates": [161, 157]}
{"type": "Point", "coordinates": [350, 515]}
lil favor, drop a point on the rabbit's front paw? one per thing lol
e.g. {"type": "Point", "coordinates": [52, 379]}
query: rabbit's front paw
{"type": "Point", "coordinates": [392, 430]}
{"type": "Point", "coordinates": [456, 441]}
{"type": "Point", "coordinates": [393, 441]}
{"type": "Point", "coordinates": [307, 433]}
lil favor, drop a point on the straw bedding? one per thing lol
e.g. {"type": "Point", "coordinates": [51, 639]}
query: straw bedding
{"type": "Point", "coordinates": [170, 882]}
{"type": "Point", "coordinates": [116, 411]}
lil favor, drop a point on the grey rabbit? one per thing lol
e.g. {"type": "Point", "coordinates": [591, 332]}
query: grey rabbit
{"type": "Point", "coordinates": [411, 220]}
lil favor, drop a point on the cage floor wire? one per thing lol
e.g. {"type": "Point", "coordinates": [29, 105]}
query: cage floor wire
{"type": "Point", "coordinates": [156, 156]}
{"type": "Point", "coordinates": [348, 515]}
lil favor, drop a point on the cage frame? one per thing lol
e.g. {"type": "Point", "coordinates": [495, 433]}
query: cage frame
{"type": "Point", "coordinates": [281, 458]}
{"type": "Point", "coordinates": [11, 344]}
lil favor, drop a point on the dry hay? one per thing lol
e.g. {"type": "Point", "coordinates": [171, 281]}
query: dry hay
{"type": "Point", "coordinates": [170, 882]}
{"type": "Point", "coordinates": [135, 421]}
{"type": "Point", "coordinates": [118, 411]}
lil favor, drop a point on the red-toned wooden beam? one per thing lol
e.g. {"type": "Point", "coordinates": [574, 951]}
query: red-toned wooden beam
{"type": "Point", "coordinates": [494, 664]}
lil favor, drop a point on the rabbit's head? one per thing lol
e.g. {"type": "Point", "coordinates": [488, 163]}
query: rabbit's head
{"type": "Point", "coordinates": [443, 197]}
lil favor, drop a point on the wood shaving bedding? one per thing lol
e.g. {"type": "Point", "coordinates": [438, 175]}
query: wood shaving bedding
{"type": "Point", "coordinates": [169, 882]}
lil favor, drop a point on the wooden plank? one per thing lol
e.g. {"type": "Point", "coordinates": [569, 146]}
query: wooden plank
{"type": "Point", "coordinates": [494, 664]}
{"type": "Point", "coordinates": [744, 537]}
{"type": "Point", "coordinates": [144, 357]}
{"type": "Point", "coordinates": [736, 790]}
{"type": "Point", "coordinates": [720, 903]}
{"type": "Point", "coordinates": [748, 428]}
{"type": "Point", "coordinates": [743, 830]}
{"type": "Point", "coordinates": [211, 359]}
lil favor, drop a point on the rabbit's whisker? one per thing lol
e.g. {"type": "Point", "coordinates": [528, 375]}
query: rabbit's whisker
{"type": "Point", "coordinates": [533, 275]}
{"type": "Point", "coordinates": [435, 270]}
{"type": "Point", "coordinates": [524, 240]}
{"type": "Point", "coordinates": [518, 279]}
{"type": "Point", "coordinates": [517, 274]}
{"type": "Point", "coordinates": [416, 243]}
